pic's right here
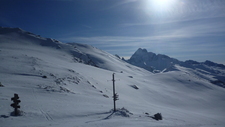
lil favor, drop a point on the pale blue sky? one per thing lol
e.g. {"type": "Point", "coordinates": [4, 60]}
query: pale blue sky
{"type": "Point", "coordinates": [183, 29]}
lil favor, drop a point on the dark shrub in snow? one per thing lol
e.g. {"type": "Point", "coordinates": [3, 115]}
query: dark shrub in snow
{"type": "Point", "coordinates": [44, 76]}
{"type": "Point", "coordinates": [134, 86]}
{"type": "Point", "coordinates": [158, 116]}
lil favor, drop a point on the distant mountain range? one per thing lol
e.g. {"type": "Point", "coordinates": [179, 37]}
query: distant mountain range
{"type": "Point", "coordinates": [158, 63]}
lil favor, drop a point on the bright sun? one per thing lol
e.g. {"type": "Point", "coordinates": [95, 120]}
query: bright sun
{"type": "Point", "coordinates": [160, 5]}
{"type": "Point", "coordinates": [161, 2]}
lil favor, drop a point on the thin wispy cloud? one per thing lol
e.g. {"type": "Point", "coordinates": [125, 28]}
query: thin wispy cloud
{"type": "Point", "coordinates": [175, 20]}
{"type": "Point", "coordinates": [86, 26]}
{"type": "Point", "coordinates": [176, 41]}
{"type": "Point", "coordinates": [194, 30]}
{"type": "Point", "coordinates": [187, 31]}
{"type": "Point", "coordinates": [120, 3]}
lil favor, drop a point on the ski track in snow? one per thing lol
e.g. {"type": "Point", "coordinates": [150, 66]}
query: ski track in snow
{"type": "Point", "coordinates": [44, 113]}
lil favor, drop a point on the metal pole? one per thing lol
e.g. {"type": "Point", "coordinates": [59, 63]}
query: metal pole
{"type": "Point", "coordinates": [114, 94]}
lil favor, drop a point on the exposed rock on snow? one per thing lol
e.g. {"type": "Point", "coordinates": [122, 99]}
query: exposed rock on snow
{"type": "Point", "coordinates": [1, 85]}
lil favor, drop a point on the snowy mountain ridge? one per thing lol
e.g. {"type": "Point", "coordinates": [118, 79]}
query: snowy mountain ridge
{"type": "Point", "coordinates": [153, 62]}
{"type": "Point", "coordinates": [162, 63]}
{"type": "Point", "coordinates": [150, 61]}
{"type": "Point", "coordinates": [63, 84]}
{"type": "Point", "coordinates": [78, 51]}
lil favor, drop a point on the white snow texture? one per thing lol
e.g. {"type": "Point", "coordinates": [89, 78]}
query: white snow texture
{"type": "Point", "coordinates": [77, 88]}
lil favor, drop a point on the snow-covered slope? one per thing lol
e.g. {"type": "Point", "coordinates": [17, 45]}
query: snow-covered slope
{"type": "Point", "coordinates": [70, 85]}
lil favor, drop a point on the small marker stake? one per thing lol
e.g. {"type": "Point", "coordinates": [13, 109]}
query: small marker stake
{"type": "Point", "coordinates": [15, 103]}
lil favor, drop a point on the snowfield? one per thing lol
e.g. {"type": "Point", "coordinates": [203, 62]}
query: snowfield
{"type": "Point", "coordinates": [77, 90]}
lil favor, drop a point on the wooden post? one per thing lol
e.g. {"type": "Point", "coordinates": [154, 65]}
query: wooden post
{"type": "Point", "coordinates": [115, 95]}
{"type": "Point", "coordinates": [114, 100]}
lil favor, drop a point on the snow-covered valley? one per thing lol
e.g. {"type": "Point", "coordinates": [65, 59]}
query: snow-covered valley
{"type": "Point", "coordinates": [61, 84]}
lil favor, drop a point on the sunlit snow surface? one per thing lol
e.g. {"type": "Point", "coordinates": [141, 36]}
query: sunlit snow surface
{"type": "Point", "coordinates": [78, 89]}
